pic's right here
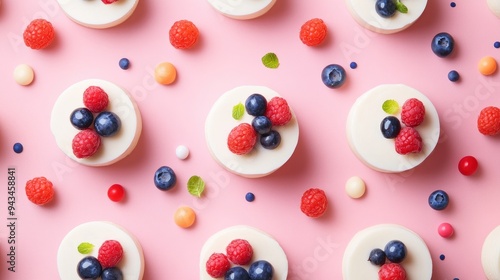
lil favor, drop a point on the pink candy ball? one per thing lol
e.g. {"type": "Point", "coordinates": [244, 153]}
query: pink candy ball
{"type": "Point", "coordinates": [445, 230]}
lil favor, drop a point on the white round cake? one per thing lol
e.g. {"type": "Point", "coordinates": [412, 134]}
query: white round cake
{"type": "Point", "coordinates": [364, 13]}
{"type": "Point", "coordinates": [355, 264]}
{"type": "Point", "coordinates": [96, 14]}
{"type": "Point", "coordinates": [365, 137]}
{"type": "Point", "coordinates": [490, 255]}
{"type": "Point", "coordinates": [242, 9]}
{"type": "Point", "coordinates": [260, 161]}
{"type": "Point", "coordinates": [264, 246]}
{"type": "Point", "coordinates": [95, 233]}
{"type": "Point", "coordinates": [113, 148]}
{"type": "Point", "coordinates": [494, 6]}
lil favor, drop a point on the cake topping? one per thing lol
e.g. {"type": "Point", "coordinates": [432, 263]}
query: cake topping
{"type": "Point", "coordinates": [95, 99]}
{"type": "Point", "coordinates": [395, 251]}
{"type": "Point", "coordinates": [111, 273]}
{"type": "Point", "coordinates": [468, 165]}
{"type": "Point", "coordinates": [249, 197]}
{"type": "Point", "coordinates": [377, 257]}
{"type": "Point", "coordinates": [313, 202]}
{"type": "Point", "coordinates": [313, 32]}
{"type": "Point", "coordinates": [165, 73]}
{"type": "Point", "coordinates": [256, 104]}
{"type": "Point", "coordinates": [390, 106]}
{"type": "Point", "coordinates": [39, 190]}
{"type": "Point", "coordinates": [333, 76]}
{"type": "Point", "coordinates": [89, 268]}
{"type": "Point", "coordinates": [110, 253]}
{"type": "Point", "coordinates": [182, 152]}
{"type": "Point", "coordinates": [453, 76]}
{"type": "Point", "coordinates": [124, 63]}
{"type": "Point", "coordinates": [184, 217]}
{"type": "Point", "coordinates": [237, 273]}
{"type": "Point", "coordinates": [390, 127]}
{"type": "Point", "coordinates": [442, 44]}
{"type": "Point", "coordinates": [165, 178]}
{"type": "Point", "coordinates": [355, 187]}
{"type": "Point", "coordinates": [408, 141]}
{"type": "Point", "coordinates": [261, 270]}
{"type": "Point", "coordinates": [239, 251]}
{"type": "Point", "coordinates": [487, 65]}
{"type": "Point", "coordinates": [39, 34]}
{"type": "Point", "coordinates": [488, 122]}
{"type": "Point", "coordinates": [270, 60]}
{"type": "Point", "coordinates": [116, 192]}
{"type": "Point", "coordinates": [183, 34]}
{"type": "Point", "coordinates": [445, 230]}
{"type": "Point", "coordinates": [81, 118]}
{"type": "Point", "coordinates": [392, 271]}
{"type": "Point", "coordinates": [412, 112]}
{"type": "Point", "coordinates": [238, 111]}
{"type": "Point", "coordinates": [107, 124]}
{"type": "Point", "coordinates": [85, 248]}
{"type": "Point", "coordinates": [387, 8]}
{"type": "Point", "coordinates": [270, 140]}
{"type": "Point", "coordinates": [217, 265]}
{"type": "Point", "coordinates": [107, 2]}
{"type": "Point", "coordinates": [278, 111]}
{"type": "Point", "coordinates": [241, 139]}
{"type": "Point", "coordinates": [438, 200]}
{"type": "Point", "coordinates": [23, 74]}
{"type": "Point", "coordinates": [18, 148]}
{"type": "Point", "coordinates": [196, 185]}
{"type": "Point", "coordinates": [86, 143]}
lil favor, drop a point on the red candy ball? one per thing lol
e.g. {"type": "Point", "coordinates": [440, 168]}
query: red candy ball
{"type": "Point", "coordinates": [445, 230]}
{"type": "Point", "coordinates": [467, 165]}
{"type": "Point", "coordinates": [116, 192]}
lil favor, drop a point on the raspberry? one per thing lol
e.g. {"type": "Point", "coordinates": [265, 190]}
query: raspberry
{"type": "Point", "coordinates": [313, 202]}
{"type": "Point", "coordinates": [110, 253]}
{"type": "Point", "coordinates": [39, 34]}
{"type": "Point", "coordinates": [278, 111]}
{"type": "Point", "coordinates": [412, 112]}
{"type": "Point", "coordinates": [408, 141]}
{"type": "Point", "coordinates": [85, 143]}
{"type": "Point", "coordinates": [239, 251]}
{"type": "Point", "coordinates": [183, 34]}
{"type": "Point", "coordinates": [392, 271]}
{"type": "Point", "coordinates": [108, 1]}
{"type": "Point", "coordinates": [242, 139]}
{"type": "Point", "coordinates": [217, 265]}
{"type": "Point", "coordinates": [39, 190]}
{"type": "Point", "coordinates": [313, 32]}
{"type": "Point", "coordinates": [95, 99]}
{"type": "Point", "coordinates": [488, 122]}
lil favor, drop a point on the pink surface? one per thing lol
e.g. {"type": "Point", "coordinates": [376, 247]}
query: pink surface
{"type": "Point", "coordinates": [228, 55]}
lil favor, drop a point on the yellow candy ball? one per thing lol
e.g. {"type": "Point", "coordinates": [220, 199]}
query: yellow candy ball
{"type": "Point", "coordinates": [165, 73]}
{"type": "Point", "coordinates": [487, 65]}
{"type": "Point", "coordinates": [184, 216]}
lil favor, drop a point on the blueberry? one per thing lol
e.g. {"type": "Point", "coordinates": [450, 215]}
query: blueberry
{"type": "Point", "coordinates": [89, 268]}
{"type": "Point", "coordinates": [165, 178]}
{"type": "Point", "coordinates": [385, 8]}
{"type": "Point", "coordinates": [390, 127]}
{"type": "Point", "coordinates": [442, 44]}
{"type": "Point", "coordinates": [256, 105]}
{"type": "Point", "coordinates": [262, 124]}
{"type": "Point", "coordinates": [107, 124]}
{"type": "Point", "coordinates": [377, 256]}
{"type": "Point", "coordinates": [438, 200]}
{"type": "Point", "coordinates": [453, 76]}
{"type": "Point", "coordinates": [333, 76]}
{"type": "Point", "coordinates": [395, 251]}
{"type": "Point", "coordinates": [260, 270]}
{"type": "Point", "coordinates": [81, 118]}
{"type": "Point", "coordinates": [237, 273]}
{"type": "Point", "coordinates": [270, 140]}
{"type": "Point", "coordinates": [112, 273]}
{"type": "Point", "coordinates": [124, 63]}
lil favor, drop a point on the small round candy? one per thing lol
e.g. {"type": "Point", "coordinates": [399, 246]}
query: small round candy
{"type": "Point", "coordinates": [116, 192]}
{"type": "Point", "coordinates": [468, 165]}
{"type": "Point", "coordinates": [353, 65]}
{"type": "Point", "coordinates": [445, 230]}
{"type": "Point", "coordinates": [453, 76]}
{"type": "Point", "coordinates": [165, 73]}
{"type": "Point", "coordinates": [487, 65]}
{"type": "Point", "coordinates": [496, 44]}
{"type": "Point", "coordinates": [124, 63]}
{"type": "Point", "coordinates": [182, 152]}
{"type": "Point", "coordinates": [355, 187]}
{"type": "Point", "coordinates": [18, 148]}
{"type": "Point", "coordinates": [250, 197]}
{"type": "Point", "coordinates": [184, 216]}
{"type": "Point", "coordinates": [23, 74]}
{"type": "Point", "coordinates": [453, 4]}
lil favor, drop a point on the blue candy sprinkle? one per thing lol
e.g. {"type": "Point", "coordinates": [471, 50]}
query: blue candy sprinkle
{"type": "Point", "coordinates": [124, 63]}
{"type": "Point", "coordinates": [441, 257]}
{"type": "Point", "coordinates": [496, 44]}
{"type": "Point", "coordinates": [18, 148]}
{"type": "Point", "coordinates": [453, 76]}
{"type": "Point", "coordinates": [453, 4]}
{"type": "Point", "coordinates": [353, 65]}
{"type": "Point", "coordinates": [250, 197]}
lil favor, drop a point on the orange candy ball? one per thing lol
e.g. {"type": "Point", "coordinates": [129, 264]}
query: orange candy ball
{"type": "Point", "coordinates": [165, 73]}
{"type": "Point", "coordinates": [487, 65]}
{"type": "Point", "coordinates": [184, 216]}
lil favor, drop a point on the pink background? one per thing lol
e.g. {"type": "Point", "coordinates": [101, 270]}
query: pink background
{"type": "Point", "coordinates": [228, 55]}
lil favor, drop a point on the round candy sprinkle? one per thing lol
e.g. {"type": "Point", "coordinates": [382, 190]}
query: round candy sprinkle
{"type": "Point", "coordinates": [355, 187]}
{"type": "Point", "coordinates": [116, 192]}
{"type": "Point", "coordinates": [468, 165]}
{"type": "Point", "coordinates": [453, 76]}
{"type": "Point", "coordinates": [250, 197]}
{"type": "Point", "coordinates": [496, 44]}
{"type": "Point", "coordinates": [18, 148]}
{"type": "Point", "coordinates": [165, 73]}
{"type": "Point", "coordinates": [353, 65]}
{"type": "Point", "coordinates": [124, 63]}
{"type": "Point", "coordinates": [182, 152]}
{"type": "Point", "coordinates": [184, 216]}
{"type": "Point", "coordinates": [442, 257]}
{"type": "Point", "coordinates": [23, 74]}
{"type": "Point", "coordinates": [445, 230]}
{"type": "Point", "coordinates": [487, 65]}
{"type": "Point", "coordinates": [453, 4]}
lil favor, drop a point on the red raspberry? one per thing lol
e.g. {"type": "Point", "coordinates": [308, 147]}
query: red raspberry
{"type": "Point", "coordinates": [313, 32]}
{"type": "Point", "coordinates": [392, 271]}
{"type": "Point", "coordinates": [408, 141]}
{"type": "Point", "coordinates": [412, 112]}
{"type": "Point", "coordinates": [110, 253]}
{"type": "Point", "coordinates": [313, 203]}
{"type": "Point", "coordinates": [39, 34]}
{"type": "Point", "coordinates": [183, 34]}
{"type": "Point", "coordinates": [86, 143]}
{"type": "Point", "coordinates": [242, 139]}
{"type": "Point", "coordinates": [217, 265]}
{"type": "Point", "coordinates": [39, 190]}
{"type": "Point", "coordinates": [108, 1]}
{"type": "Point", "coordinates": [239, 251]}
{"type": "Point", "coordinates": [95, 99]}
{"type": "Point", "coordinates": [488, 122]}
{"type": "Point", "coordinates": [278, 111]}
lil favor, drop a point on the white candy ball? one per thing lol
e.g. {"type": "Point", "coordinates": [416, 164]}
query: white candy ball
{"type": "Point", "coordinates": [355, 187]}
{"type": "Point", "coordinates": [23, 74]}
{"type": "Point", "coordinates": [182, 152]}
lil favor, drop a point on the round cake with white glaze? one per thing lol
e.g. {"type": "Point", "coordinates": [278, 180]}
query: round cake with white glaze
{"type": "Point", "coordinates": [242, 9]}
{"type": "Point", "coordinates": [490, 255]}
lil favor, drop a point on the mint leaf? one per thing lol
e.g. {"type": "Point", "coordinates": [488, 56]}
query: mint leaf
{"type": "Point", "coordinates": [401, 7]}
{"type": "Point", "coordinates": [195, 185]}
{"type": "Point", "coordinates": [390, 106]}
{"type": "Point", "coordinates": [238, 111]}
{"type": "Point", "coordinates": [270, 60]}
{"type": "Point", "coordinates": [85, 248]}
